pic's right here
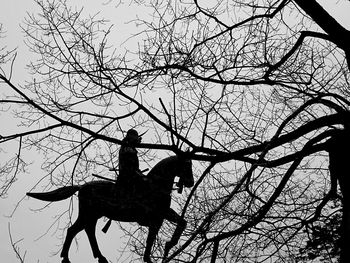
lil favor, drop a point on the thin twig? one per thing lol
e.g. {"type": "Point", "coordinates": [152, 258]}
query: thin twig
{"type": "Point", "coordinates": [15, 246]}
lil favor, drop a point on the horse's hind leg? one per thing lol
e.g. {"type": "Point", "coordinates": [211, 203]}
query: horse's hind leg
{"type": "Point", "coordinates": [90, 231]}
{"type": "Point", "coordinates": [72, 231]}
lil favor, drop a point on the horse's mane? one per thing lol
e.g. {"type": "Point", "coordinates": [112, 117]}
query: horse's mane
{"type": "Point", "coordinates": [166, 163]}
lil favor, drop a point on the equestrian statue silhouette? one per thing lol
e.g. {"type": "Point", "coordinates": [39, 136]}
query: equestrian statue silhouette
{"type": "Point", "coordinates": [148, 205]}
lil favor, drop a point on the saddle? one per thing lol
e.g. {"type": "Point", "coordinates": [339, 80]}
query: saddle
{"type": "Point", "coordinates": [132, 196]}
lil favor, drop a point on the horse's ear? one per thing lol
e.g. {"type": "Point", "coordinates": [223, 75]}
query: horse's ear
{"type": "Point", "coordinates": [186, 155]}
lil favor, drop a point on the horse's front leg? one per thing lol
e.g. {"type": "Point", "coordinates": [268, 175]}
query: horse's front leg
{"type": "Point", "coordinates": [152, 234]}
{"type": "Point", "coordinates": [173, 217]}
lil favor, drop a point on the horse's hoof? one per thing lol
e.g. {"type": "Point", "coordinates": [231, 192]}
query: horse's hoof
{"type": "Point", "coordinates": [65, 260]}
{"type": "Point", "coordinates": [167, 248]}
{"type": "Point", "coordinates": [147, 260]}
{"type": "Point", "coordinates": [102, 260]}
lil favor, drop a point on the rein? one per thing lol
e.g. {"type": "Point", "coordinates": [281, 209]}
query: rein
{"type": "Point", "coordinates": [113, 180]}
{"type": "Point", "coordinates": [180, 186]}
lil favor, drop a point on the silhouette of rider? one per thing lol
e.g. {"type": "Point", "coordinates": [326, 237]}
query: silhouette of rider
{"type": "Point", "coordinates": [130, 176]}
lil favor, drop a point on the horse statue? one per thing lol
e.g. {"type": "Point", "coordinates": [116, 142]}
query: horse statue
{"type": "Point", "coordinates": [148, 207]}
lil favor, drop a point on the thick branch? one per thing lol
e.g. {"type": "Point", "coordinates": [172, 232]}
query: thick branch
{"type": "Point", "coordinates": [337, 33]}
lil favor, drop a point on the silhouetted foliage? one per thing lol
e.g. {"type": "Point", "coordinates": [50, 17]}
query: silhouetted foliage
{"type": "Point", "coordinates": [324, 237]}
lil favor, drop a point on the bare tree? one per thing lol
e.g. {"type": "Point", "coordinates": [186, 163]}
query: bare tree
{"type": "Point", "coordinates": [267, 91]}
{"type": "Point", "coordinates": [255, 90]}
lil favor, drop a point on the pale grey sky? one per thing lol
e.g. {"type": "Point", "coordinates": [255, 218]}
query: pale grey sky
{"type": "Point", "coordinates": [27, 225]}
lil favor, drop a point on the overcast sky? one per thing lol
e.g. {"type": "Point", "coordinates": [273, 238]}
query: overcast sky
{"type": "Point", "coordinates": [28, 226]}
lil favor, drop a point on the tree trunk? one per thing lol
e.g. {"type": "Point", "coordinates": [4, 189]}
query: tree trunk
{"type": "Point", "coordinates": [343, 181]}
{"type": "Point", "coordinates": [339, 169]}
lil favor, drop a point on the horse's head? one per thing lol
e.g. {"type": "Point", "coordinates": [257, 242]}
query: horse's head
{"type": "Point", "coordinates": [163, 173]}
{"type": "Point", "coordinates": [185, 173]}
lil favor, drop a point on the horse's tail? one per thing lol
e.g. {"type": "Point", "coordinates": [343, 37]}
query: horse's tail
{"type": "Point", "coordinates": [56, 195]}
